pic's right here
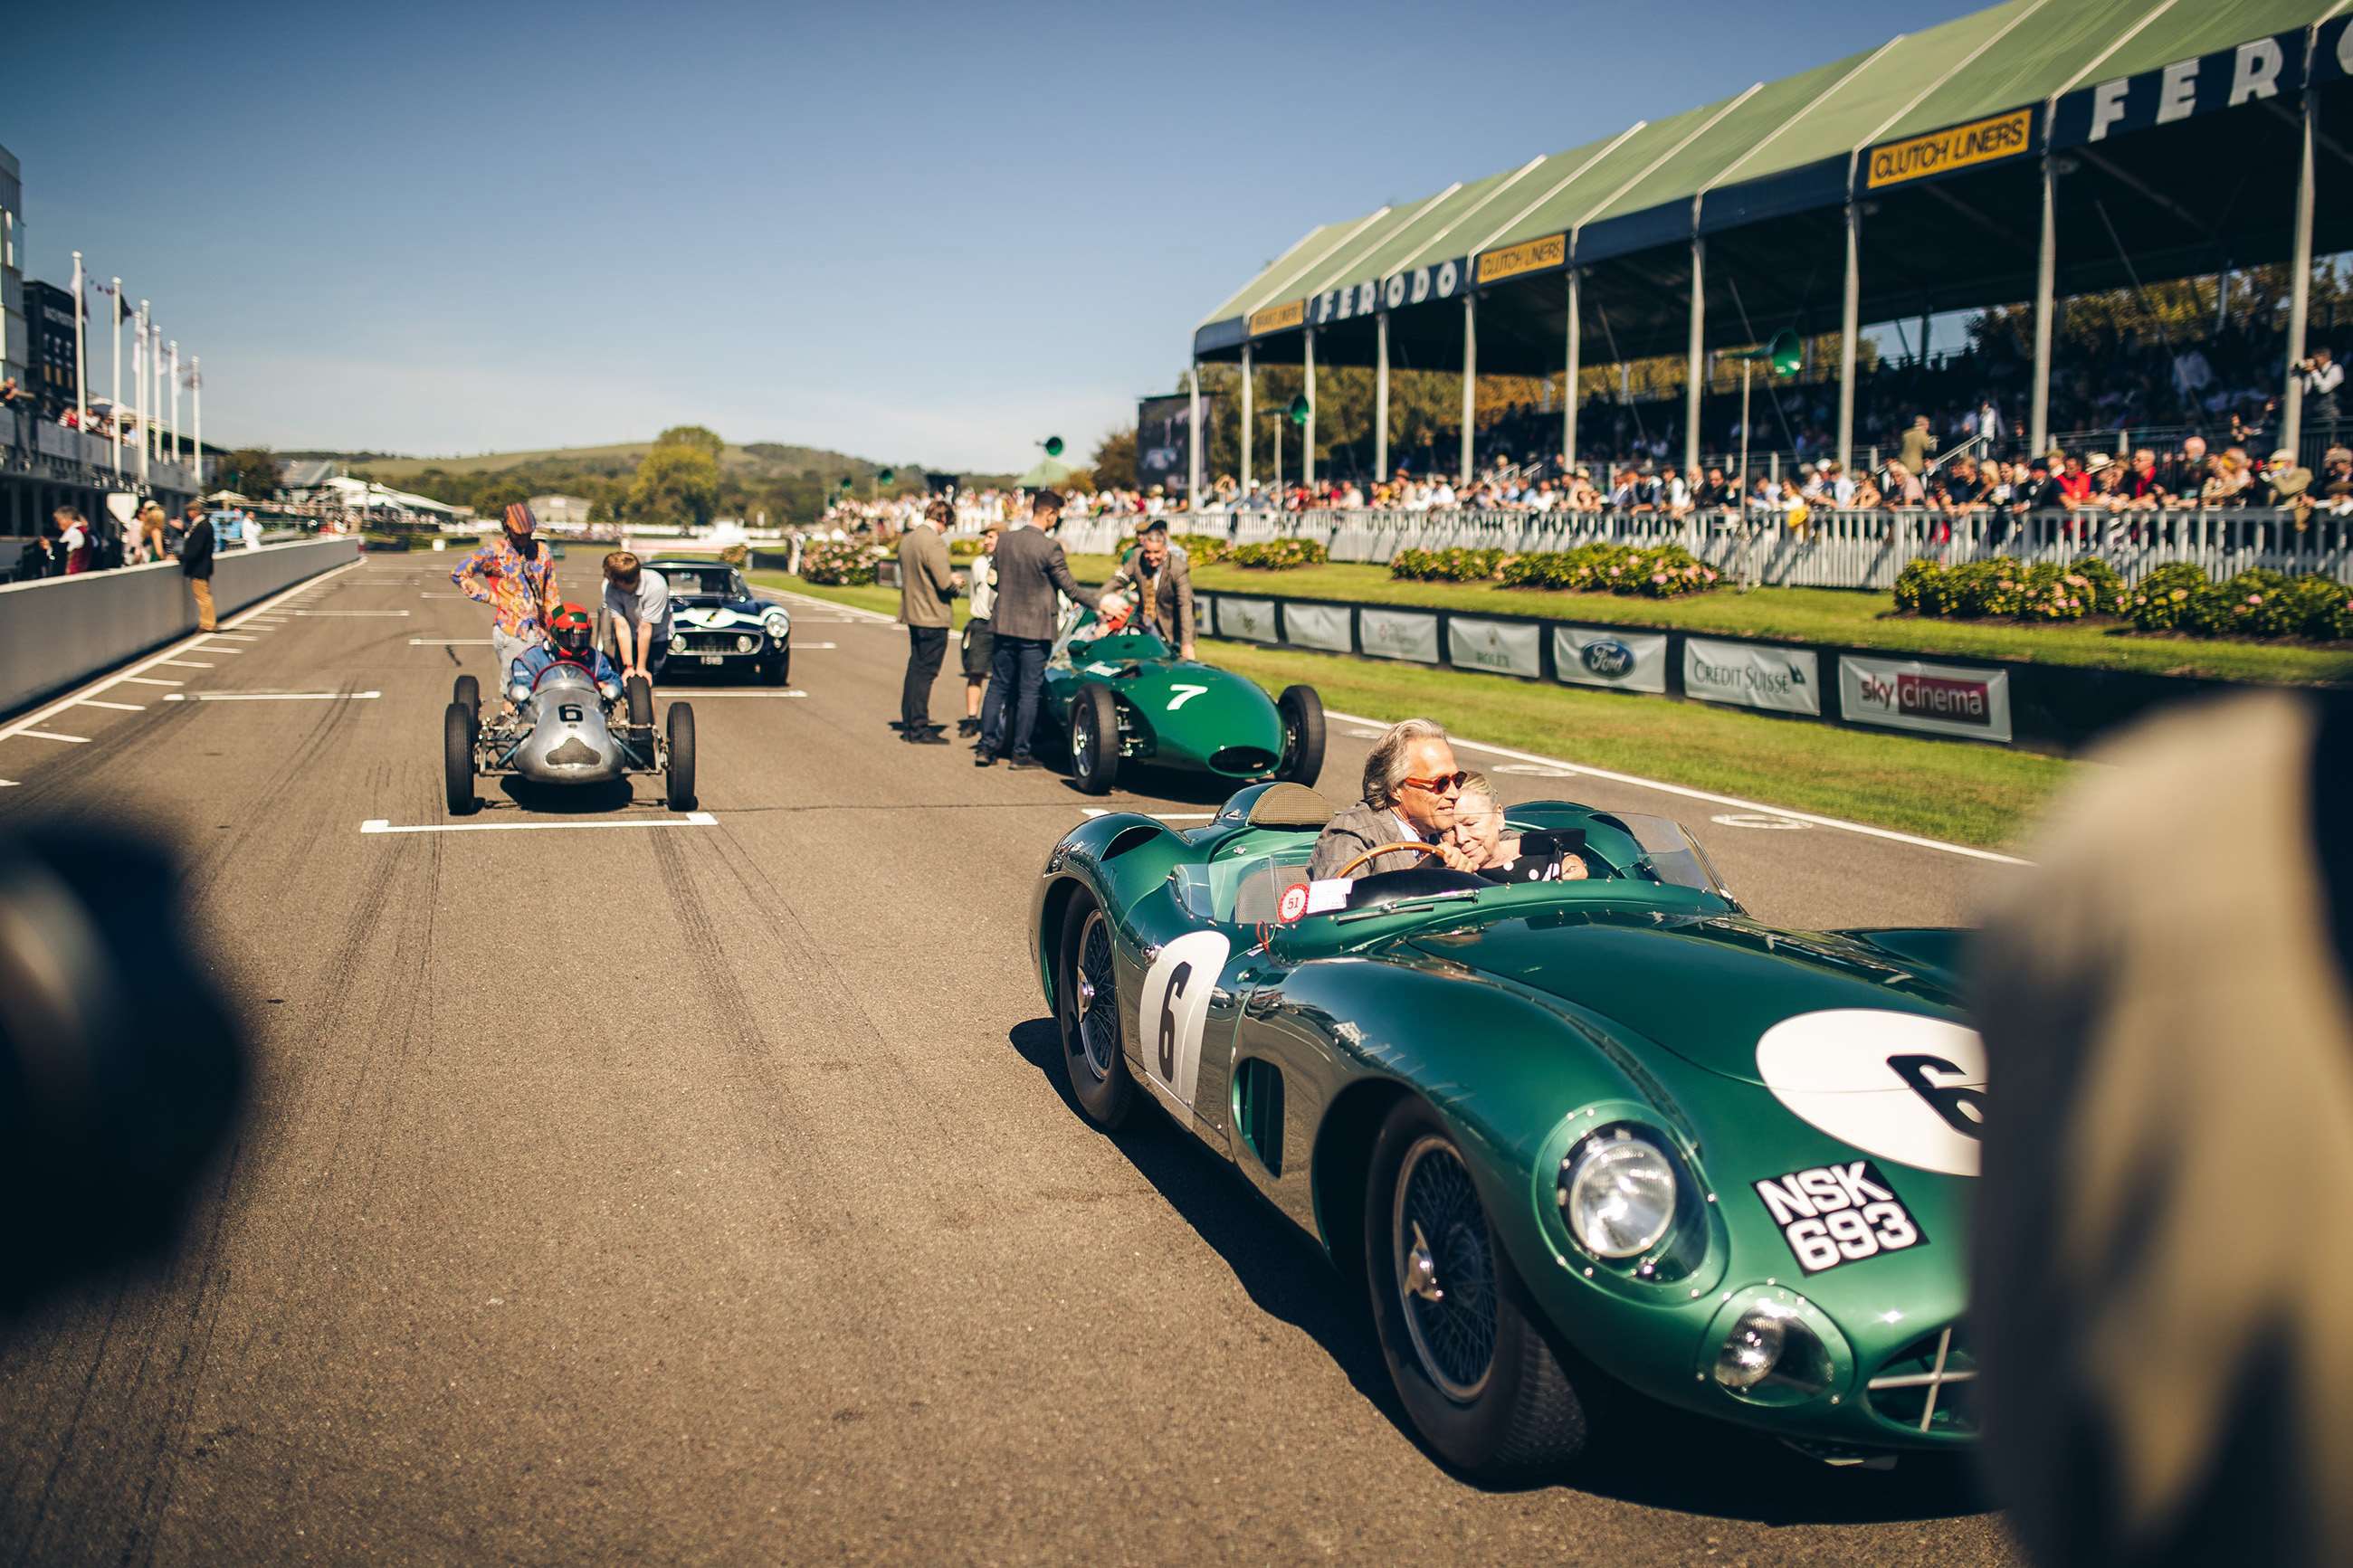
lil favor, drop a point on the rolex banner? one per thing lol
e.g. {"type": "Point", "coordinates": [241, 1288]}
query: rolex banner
{"type": "Point", "coordinates": [1507, 647]}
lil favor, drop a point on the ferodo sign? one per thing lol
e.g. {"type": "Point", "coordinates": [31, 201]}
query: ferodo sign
{"type": "Point", "coordinates": [1783, 679]}
{"type": "Point", "coordinates": [1957, 147]}
{"type": "Point", "coordinates": [1936, 699]}
{"type": "Point", "coordinates": [1422, 286]}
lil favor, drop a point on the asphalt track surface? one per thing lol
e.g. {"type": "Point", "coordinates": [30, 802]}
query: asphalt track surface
{"type": "Point", "coordinates": [699, 1192]}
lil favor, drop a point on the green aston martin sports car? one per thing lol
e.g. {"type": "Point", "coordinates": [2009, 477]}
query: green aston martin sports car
{"type": "Point", "coordinates": [1113, 698]}
{"type": "Point", "coordinates": [1574, 1127]}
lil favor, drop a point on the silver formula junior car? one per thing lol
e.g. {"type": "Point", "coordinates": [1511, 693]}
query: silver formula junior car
{"type": "Point", "coordinates": [566, 730]}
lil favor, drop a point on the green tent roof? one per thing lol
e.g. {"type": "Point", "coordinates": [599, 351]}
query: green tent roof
{"type": "Point", "coordinates": [2013, 56]}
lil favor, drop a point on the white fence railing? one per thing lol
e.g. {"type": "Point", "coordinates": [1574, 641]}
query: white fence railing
{"type": "Point", "coordinates": [1833, 550]}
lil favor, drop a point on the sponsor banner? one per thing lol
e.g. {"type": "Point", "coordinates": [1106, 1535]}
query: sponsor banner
{"type": "Point", "coordinates": [1507, 647]}
{"type": "Point", "coordinates": [1164, 432]}
{"type": "Point", "coordinates": [1398, 634]}
{"type": "Point", "coordinates": [1956, 147]}
{"type": "Point", "coordinates": [2253, 72]}
{"type": "Point", "coordinates": [1602, 656]}
{"type": "Point", "coordinates": [1278, 317]}
{"type": "Point", "coordinates": [1422, 286]}
{"type": "Point", "coordinates": [2332, 59]}
{"type": "Point", "coordinates": [1938, 699]}
{"type": "Point", "coordinates": [1322, 627]}
{"type": "Point", "coordinates": [1784, 679]}
{"type": "Point", "coordinates": [1245, 620]}
{"type": "Point", "coordinates": [1528, 255]}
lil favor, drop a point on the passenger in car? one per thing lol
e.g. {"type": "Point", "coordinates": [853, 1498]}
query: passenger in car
{"type": "Point", "coordinates": [1502, 856]}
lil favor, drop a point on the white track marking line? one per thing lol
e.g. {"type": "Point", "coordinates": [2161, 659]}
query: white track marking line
{"type": "Point", "coordinates": [272, 696]}
{"type": "Point", "coordinates": [231, 636]}
{"type": "Point", "coordinates": [125, 707]}
{"type": "Point", "coordinates": [9, 783]}
{"type": "Point", "coordinates": [692, 819]}
{"type": "Point", "coordinates": [804, 647]}
{"type": "Point", "coordinates": [137, 672]}
{"type": "Point", "coordinates": [400, 613]}
{"type": "Point", "coordinates": [695, 694]}
{"type": "Point", "coordinates": [53, 735]}
{"type": "Point", "coordinates": [449, 642]}
{"type": "Point", "coordinates": [223, 650]}
{"type": "Point", "coordinates": [1163, 815]}
{"type": "Point", "coordinates": [187, 663]}
{"type": "Point", "coordinates": [445, 595]}
{"type": "Point", "coordinates": [827, 606]}
{"type": "Point", "coordinates": [1730, 800]}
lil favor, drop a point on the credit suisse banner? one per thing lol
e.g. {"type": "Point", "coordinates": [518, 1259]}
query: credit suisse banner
{"type": "Point", "coordinates": [1936, 699]}
{"type": "Point", "coordinates": [1750, 675]}
{"type": "Point", "coordinates": [1507, 647]}
{"type": "Point", "coordinates": [1597, 656]}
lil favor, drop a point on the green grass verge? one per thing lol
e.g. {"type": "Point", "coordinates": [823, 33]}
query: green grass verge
{"type": "Point", "coordinates": [1942, 789]}
{"type": "Point", "coordinates": [1806, 615]}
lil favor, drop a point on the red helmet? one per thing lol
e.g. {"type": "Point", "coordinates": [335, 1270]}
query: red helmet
{"type": "Point", "coordinates": [573, 633]}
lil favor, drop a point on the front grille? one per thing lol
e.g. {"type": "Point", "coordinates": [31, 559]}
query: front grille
{"type": "Point", "coordinates": [1242, 762]}
{"type": "Point", "coordinates": [1929, 1386]}
{"type": "Point", "coordinates": [708, 642]}
{"type": "Point", "coordinates": [574, 753]}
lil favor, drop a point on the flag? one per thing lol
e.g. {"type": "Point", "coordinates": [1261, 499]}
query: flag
{"type": "Point", "coordinates": [190, 379]}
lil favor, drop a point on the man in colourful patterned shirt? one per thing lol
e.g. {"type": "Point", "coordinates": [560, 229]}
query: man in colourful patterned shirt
{"type": "Point", "coordinates": [516, 577]}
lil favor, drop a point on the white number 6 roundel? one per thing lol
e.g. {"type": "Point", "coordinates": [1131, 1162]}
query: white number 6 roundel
{"type": "Point", "coordinates": [1897, 1085]}
{"type": "Point", "coordinates": [1174, 1008]}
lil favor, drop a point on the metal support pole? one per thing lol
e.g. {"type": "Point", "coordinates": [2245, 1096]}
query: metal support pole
{"type": "Point", "coordinates": [2299, 297]}
{"type": "Point", "coordinates": [1470, 379]}
{"type": "Point", "coordinates": [1381, 397]}
{"type": "Point", "coordinates": [1741, 488]}
{"type": "Point", "coordinates": [114, 414]}
{"type": "Point", "coordinates": [82, 394]}
{"type": "Point", "coordinates": [2046, 276]}
{"type": "Point", "coordinates": [1307, 436]}
{"type": "Point", "coordinates": [1849, 330]}
{"type": "Point", "coordinates": [144, 357]}
{"type": "Point", "coordinates": [1249, 379]}
{"type": "Point", "coordinates": [1193, 437]}
{"type": "Point", "coordinates": [1693, 370]}
{"type": "Point", "coordinates": [1568, 391]}
{"type": "Point", "coordinates": [197, 372]}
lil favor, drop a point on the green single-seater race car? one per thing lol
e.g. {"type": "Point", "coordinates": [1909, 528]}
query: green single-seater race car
{"type": "Point", "coordinates": [1118, 696]}
{"type": "Point", "coordinates": [1569, 1137]}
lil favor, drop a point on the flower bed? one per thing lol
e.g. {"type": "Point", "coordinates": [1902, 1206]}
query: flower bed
{"type": "Point", "coordinates": [1662, 572]}
{"type": "Point", "coordinates": [1455, 565]}
{"type": "Point", "coordinates": [2179, 597]}
{"type": "Point", "coordinates": [839, 564]}
{"type": "Point", "coordinates": [1277, 554]}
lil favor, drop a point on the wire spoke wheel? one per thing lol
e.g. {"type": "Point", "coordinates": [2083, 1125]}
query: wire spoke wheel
{"type": "Point", "coordinates": [1098, 997]}
{"type": "Point", "coordinates": [1445, 1269]}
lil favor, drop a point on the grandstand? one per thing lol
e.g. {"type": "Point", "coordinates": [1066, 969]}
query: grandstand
{"type": "Point", "coordinates": [2027, 152]}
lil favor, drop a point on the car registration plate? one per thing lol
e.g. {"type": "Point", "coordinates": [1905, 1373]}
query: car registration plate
{"type": "Point", "coordinates": [714, 659]}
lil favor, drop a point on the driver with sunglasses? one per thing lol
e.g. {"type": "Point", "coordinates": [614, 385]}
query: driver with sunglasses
{"type": "Point", "coordinates": [1410, 787]}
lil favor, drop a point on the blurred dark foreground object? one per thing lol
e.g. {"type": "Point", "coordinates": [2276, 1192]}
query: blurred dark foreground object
{"type": "Point", "coordinates": [2163, 1238]}
{"type": "Point", "coordinates": [121, 1072]}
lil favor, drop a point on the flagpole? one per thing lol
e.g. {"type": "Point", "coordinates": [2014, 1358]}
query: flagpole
{"type": "Point", "coordinates": [115, 422]}
{"type": "Point", "coordinates": [143, 354]}
{"type": "Point", "coordinates": [82, 391]}
{"type": "Point", "coordinates": [197, 396]}
{"type": "Point", "coordinates": [175, 374]}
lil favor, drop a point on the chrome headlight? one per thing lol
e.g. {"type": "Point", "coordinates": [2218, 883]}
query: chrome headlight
{"type": "Point", "coordinates": [1772, 1354]}
{"type": "Point", "coordinates": [519, 692]}
{"type": "Point", "coordinates": [780, 626]}
{"type": "Point", "coordinates": [1618, 1194]}
{"type": "Point", "coordinates": [745, 644]}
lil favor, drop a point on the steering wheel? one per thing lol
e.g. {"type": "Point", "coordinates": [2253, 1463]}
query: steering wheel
{"type": "Point", "coordinates": [1415, 845]}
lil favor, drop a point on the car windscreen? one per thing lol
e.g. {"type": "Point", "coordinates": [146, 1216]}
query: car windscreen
{"type": "Point", "coordinates": [718, 580]}
{"type": "Point", "coordinates": [1669, 854]}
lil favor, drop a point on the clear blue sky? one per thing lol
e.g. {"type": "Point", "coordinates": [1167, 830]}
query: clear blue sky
{"type": "Point", "coordinates": [913, 232]}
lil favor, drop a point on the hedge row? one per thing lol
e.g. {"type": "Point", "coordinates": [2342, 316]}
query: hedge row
{"type": "Point", "coordinates": [1278, 555]}
{"type": "Point", "coordinates": [1455, 565]}
{"type": "Point", "coordinates": [2178, 597]}
{"type": "Point", "coordinates": [1203, 549]}
{"type": "Point", "coordinates": [839, 564]}
{"type": "Point", "coordinates": [1662, 572]}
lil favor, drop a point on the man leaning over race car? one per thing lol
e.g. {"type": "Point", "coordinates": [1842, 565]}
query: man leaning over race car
{"type": "Point", "coordinates": [637, 598]}
{"type": "Point", "coordinates": [1160, 580]}
{"type": "Point", "coordinates": [1411, 786]}
{"type": "Point", "coordinates": [571, 640]}
{"type": "Point", "coordinates": [517, 579]}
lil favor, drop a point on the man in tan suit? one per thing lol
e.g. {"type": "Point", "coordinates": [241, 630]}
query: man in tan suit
{"type": "Point", "coordinates": [1410, 787]}
{"type": "Point", "coordinates": [1162, 583]}
{"type": "Point", "coordinates": [926, 583]}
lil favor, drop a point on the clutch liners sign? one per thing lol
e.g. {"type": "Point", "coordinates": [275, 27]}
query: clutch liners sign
{"type": "Point", "coordinates": [1278, 317]}
{"type": "Point", "coordinates": [1530, 256]}
{"type": "Point", "coordinates": [1957, 147]}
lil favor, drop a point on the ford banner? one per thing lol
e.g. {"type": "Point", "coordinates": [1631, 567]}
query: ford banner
{"type": "Point", "coordinates": [1936, 699]}
{"type": "Point", "coordinates": [1602, 656]}
{"type": "Point", "coordinates": [1784, 679]}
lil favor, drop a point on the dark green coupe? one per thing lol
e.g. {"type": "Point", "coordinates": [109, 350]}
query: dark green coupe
{"type": "Point", "coordinates": [1568, 1136]}
{"type": "Point", "coordinates": [1121, 696]}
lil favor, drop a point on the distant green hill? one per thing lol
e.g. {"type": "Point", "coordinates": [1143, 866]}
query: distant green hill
{"type": "Point", "coordinates": [753, 461]}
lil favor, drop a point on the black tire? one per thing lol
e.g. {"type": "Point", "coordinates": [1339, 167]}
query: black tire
{"type": "Point", "coordinates": [1512, 1415]}
{"type": "Point", "coordinates": [639, 693]}
{"type": "Point", "coordinates": [467, 694]}
{"type": "Point", "coordinates": [1094, 738]}
{"type": "Point", "coordinates": [1303, 735]}
{"type": "Point", "coordinates": [457, 731]}
{"type": "Point", "coordinates": [1094, 1042]}
{"type": "Point", "coordinates": [777, 667]}
{"type": "Point", "coordinates": [678, 784]}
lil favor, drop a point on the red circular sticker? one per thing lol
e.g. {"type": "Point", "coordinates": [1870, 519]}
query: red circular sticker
{"type": "Point", "coordinates": [1293, 902]}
